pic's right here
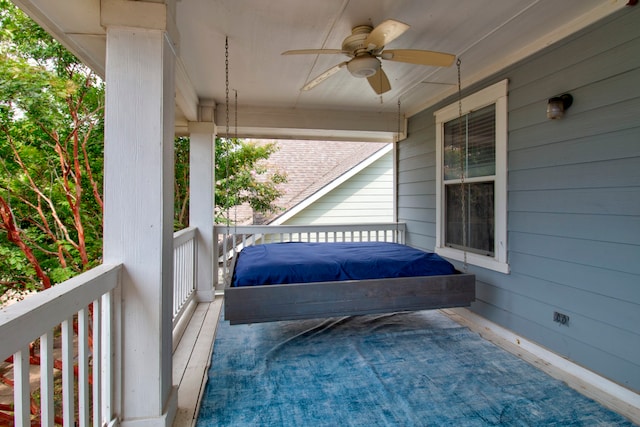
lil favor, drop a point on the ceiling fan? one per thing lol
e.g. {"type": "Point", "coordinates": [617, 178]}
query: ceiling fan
{"type": "Point", "coordinates": [365, 46]}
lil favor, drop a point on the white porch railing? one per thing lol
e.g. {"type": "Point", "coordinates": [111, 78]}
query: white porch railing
{"type": "Point", "coordinates": [231, 238]}
{"type": "Point", "coordinates": [78, 315]}
{"type": "Point", "coordinates": [67, 330]}
{"type": "Point", "coordinates": [184, 271]}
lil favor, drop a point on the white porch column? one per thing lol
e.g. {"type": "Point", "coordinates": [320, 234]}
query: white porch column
{"type": "Point", "coordinates": [201, 198]}
{"type": "Point", "coordinates": [138, 217]}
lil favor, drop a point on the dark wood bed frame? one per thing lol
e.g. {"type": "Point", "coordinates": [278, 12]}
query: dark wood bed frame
{"type": "Point", "coordinates": [255, 304]}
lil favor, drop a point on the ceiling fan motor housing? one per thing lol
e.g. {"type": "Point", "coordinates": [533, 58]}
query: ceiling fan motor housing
{"type": "Point", "coordinates": [363, 64]}
{"type": "Point", "coordinates": [355, 41]}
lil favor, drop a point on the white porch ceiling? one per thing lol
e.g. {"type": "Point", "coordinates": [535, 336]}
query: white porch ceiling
{"type": "Point", "coordinates": [486, 34]}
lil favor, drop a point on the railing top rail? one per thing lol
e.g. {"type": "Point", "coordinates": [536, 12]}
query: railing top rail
{"type": "Point", "coordinates": [23, 322]}
{"type": "Point", "coordinates": [249, 229]}
{"type": "Point", "coordinates": [184, 235]}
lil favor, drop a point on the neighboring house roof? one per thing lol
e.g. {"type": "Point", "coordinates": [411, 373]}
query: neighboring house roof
{"type": "Point", "coordinates": [313, 168]}
{"type": "Point", "coordinates": [311, 197]}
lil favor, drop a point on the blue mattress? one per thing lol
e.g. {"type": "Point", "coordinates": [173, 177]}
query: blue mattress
{"type": "Point", "coordinates": [281, 263]}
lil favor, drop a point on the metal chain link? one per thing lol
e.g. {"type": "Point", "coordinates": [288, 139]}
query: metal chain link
{"type": "Point", "coordinates": [235, 135]}
{"type": "Point", "coordinates": [226, 83]}
{"type": "Point", "coordinates": [226, 135]}
{"type": "Point", "coordinates": [397, 237]}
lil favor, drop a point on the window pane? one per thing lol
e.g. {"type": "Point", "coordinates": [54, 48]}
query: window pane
{"type": "Point", "coordinates": [479, 213]}
{"type": "Point", "coordinates": [454, 144]}
{"type": "Point", "coordinates": [481, 144]}
{"type": "Point", "coordinates": [470, 142]}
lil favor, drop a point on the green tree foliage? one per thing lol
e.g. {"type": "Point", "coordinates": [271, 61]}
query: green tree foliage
{"type": "Point", "coordinates": [51, 161]}
{"type": "Point", "coordinates": [51, 133]}
{"type": "Point", "coordinates": [242, 177]}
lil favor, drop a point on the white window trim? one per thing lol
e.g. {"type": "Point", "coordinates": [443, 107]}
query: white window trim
{"type": "Point", "coordinates": [495, 94]}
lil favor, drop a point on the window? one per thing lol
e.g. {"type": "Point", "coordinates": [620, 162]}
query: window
{"type": "Point", "coordinates": [471, 189]}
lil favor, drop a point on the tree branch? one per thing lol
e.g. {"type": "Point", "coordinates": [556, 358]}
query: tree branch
{"type": "Point", "coordinates": [13, 234]}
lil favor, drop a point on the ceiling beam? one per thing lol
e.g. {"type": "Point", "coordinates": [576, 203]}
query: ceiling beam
{"type": "Point", "coordinates": [186, 97]}
{"type": "Point", "coordinates": [329, 125]}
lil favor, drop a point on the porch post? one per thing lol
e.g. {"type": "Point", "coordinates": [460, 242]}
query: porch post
{"type": "Point", "coordinates": [201, 200]}
{"type": "Point", "coordinates": [138, 216]}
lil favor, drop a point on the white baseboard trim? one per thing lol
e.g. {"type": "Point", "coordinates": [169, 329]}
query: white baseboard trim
{"type": "Point", "coordinates": [606, 392]}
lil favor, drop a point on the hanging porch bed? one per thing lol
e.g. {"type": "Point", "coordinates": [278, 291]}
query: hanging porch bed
{"type": "Point", "coordinates": [295, 280]}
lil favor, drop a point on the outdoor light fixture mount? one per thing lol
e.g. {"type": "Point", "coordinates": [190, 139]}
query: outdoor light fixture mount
{"type": "Point", "coordinates": [557, 105]}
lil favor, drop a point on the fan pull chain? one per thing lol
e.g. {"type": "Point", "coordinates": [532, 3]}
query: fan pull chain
{"type": "Point", "coordinates": [463, 157]}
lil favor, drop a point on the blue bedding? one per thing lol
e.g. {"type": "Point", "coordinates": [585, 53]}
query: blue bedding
{"type": "Point", "coordinates": [280, 263]}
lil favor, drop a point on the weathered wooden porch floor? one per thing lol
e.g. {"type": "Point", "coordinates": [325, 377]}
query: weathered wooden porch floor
{"type": "Point", "coordinates": [191, 360]}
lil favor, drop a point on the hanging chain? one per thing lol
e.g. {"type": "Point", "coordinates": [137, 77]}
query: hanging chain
{"type": "Point", "coordinates": [235, 114]}
{"type": "Point", "coordinates": [396, 173]}
{"type": "Point", "coordinates": [226, 136]}
{"type": "Point", "coordinates": [463, 158]}
{"type": "Point", "coordinates": [226, 83]}
{"type": "Point", "coordinates": [235, 136]}
{"type": "Point", "coordinates": [399, 124]}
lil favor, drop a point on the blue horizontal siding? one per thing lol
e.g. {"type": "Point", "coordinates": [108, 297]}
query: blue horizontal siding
{"type": "Point", "coordinates": [573, 199]}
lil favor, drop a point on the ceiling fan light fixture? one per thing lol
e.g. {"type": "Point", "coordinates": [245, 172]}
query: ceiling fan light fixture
{"type": "Point", "coordinates": [363, 66]}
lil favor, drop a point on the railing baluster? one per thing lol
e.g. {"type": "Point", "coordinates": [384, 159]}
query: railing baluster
{"type": "Point", "coordinates": [194, 264]}
{"type": "Point", "coordinates": [106, 362]}
{"type": "Point", "coordinates": [187, 270]}
{"type": "Point", "coordinates": [83, 368]}
{"type": "Point", "coordinates": [182, 276]}
{"type": "Point", "coordinates": [176, 275]}
{"type": "Point", "coordinates": [224, 254]}
{"type": "Point", "coordinates": [21, 388]}
{"type": "Point", "coordinates": [96, 330]}
{"type": "Point", "coordinates": [46, 379]}
{"type": "Point", "coordinates": [68, 401]}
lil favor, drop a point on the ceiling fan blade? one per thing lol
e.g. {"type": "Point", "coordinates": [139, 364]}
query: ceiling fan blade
{"type": "Point", "coordinates": [379, 82]}
{"type": "Point", "coordinates": [384, 33]}
{"type": "Point", "coordinates": [313, 51]}
{"type": "Point", "coordinates": [324, 76]}
{"type": "Point", "coordinates": [420, 57]}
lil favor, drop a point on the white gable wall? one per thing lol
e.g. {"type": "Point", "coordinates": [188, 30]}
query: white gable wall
{"type": "Point", "coordinates": [366, 197]}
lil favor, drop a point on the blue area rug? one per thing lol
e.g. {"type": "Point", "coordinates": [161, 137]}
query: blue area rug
{"type": "Point", "coordinates": [408, 369]}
